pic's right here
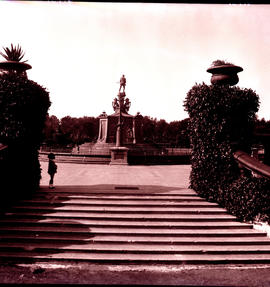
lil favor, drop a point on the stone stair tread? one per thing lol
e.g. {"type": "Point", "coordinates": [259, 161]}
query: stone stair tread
{"type": "Point", "coordinates": [114, 203]}
{"type": "Point", "coordinates": [78, 214]}
{"type": "Point", "coordinates": [127, 230]}
{"type": "Point", "coordinates": [127, 257]}
{"type": "Point", "coordinates": [121, 197]}
{"type": "Point", "coordinates": [123, 193]}
{"type": "Point", "coordinates": [115, 190]}
{"type": "Point", "coordinates": [135, 247]}
{"type": "Point", "coordinates": [146, 239]}
{"type": "Point", "coordinates": [123, 222]}
{"type": "Point", "coordinates": [75, 208]}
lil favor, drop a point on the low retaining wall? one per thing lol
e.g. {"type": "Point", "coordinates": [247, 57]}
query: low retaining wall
{"type": "Point", "coordinates": [77, 158]}
{"type": "Point", "coordinates": [133, 159]}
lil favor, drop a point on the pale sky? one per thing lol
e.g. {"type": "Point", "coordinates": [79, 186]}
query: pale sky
{"type": "Point", "coordinates": [79, 51]}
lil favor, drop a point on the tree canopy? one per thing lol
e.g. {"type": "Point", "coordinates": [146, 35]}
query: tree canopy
{"type": "Point", "coordinates": [71, 131]}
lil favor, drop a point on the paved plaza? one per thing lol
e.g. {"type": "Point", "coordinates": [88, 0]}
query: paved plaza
{"type": "Point", "coordinates": [95, 174]}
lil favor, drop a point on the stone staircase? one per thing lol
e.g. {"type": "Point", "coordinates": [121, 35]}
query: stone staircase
{"type": "Point", "coordinates": [126, 224]}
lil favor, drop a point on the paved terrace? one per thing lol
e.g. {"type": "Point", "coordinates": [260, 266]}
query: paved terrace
{"type": "Point", "coordinates": [94, 174]}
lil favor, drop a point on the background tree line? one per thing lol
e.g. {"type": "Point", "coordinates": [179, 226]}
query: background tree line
{"type": "Point", "coordinates": [262, 127]}
{"type": "Point", "coordinates": [70, 131]}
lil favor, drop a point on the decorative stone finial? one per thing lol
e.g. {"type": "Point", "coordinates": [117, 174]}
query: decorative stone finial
{"type": "Point", "coordinates": [103, 115]}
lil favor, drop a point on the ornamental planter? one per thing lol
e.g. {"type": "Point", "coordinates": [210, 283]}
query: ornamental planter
{"type": "Point", "coordinates": [19, 67]}
{"type": "Point", "coordinates": [224, 74]}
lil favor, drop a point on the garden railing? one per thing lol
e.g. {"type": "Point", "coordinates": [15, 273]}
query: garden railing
{"type": "Point", "coordinates": [247, 162]}
{"type": "Point", "coordinates": [3, 151]}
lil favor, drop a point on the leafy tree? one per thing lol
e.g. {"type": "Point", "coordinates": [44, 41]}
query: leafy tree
{"type": "Point", "coordinates": [67, 129]}
{"type": "Point", "coordinates": [77, 130]}
{"type": "Point", "coordinates": [262, 126]}
{"type": "Point", "coordinates": [88, 127]}
{"type": "Point", "coordinates": [51, 130]}
{"type": "Point", "coordinates": [161, 131]}
{"type": "Point", "coordinates": [178, 133]}
{"type": "Point", "coordinates": [149, 126]}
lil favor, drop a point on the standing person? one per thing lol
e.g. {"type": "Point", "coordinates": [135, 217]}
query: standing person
{"type": "Point", "coordinates": [52, 168]}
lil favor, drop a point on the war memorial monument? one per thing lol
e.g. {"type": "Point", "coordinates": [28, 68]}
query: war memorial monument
{"type": "Point", "coordinates": [120, 134]}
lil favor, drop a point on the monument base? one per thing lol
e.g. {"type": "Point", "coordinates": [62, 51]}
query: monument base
{"type": "Point", "coordinates": [119, 155]}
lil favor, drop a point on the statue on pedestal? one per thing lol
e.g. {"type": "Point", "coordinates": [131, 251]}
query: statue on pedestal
{"type": "Point", "coordinates": [122, 83]}
{"type": "Point", "coordinates": [127, 105]}
{"type": "Point", "coordinates": [121, 103]}
{"type": "Point", "coordinates": [115, 104]}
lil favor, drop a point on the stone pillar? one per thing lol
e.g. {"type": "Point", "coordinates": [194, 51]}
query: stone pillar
{"type": "Point", "coordinates": [103, 128]}
{"type": "Point", "coordinates": [119, 156]}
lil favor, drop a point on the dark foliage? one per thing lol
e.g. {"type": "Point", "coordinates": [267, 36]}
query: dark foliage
{"type": "Point", "coordinates": [69, 130]}
{"type": "Point", "coordinates": [13, 54]}
{"type": "Point", "coordinates": [219, 63]}
{"type": "Point", "coordinates": [23, 109]}
{"type": "Point", "coordinates": [222, 119]}
{"type": "Point", "coordinates": [173, 134]}
{"type": "Point", "coordinates": [248, 198]}
{"type": "Point", "coordinates": [72, 131]}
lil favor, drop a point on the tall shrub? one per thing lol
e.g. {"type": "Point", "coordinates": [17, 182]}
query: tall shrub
{"type": "Point", "coordinates": [23, 109]}
{"type": "Point", "coordinates": [221, 120]}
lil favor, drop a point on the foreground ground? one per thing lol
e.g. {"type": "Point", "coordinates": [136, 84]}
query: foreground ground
{"type": "Point", "coordinates": [94, 274]}
{"type": "Point", "coordinates": [109, 274]}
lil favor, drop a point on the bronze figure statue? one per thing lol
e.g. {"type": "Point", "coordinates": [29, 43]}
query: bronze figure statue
{"type": "Point", "coordinates": [122, 83]}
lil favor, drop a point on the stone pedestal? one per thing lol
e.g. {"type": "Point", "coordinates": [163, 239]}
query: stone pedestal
{"type": "Point", "coordinates": [119, 155]}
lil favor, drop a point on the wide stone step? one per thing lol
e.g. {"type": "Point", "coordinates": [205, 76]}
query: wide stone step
{"type": "Point", "coordinates": [119, 216]}
{"type": "Point", "coordinates": [135, 248]}
{"type": "Point", "coordinates": [69, 238]}
{"type": "Point", "coordinates": [138, 258]}
{"type": "Point", "coordinates": [131, 231]}
{"type": "Point", "coordinates": [6, 221]}
{"type": "Point", "coordinates": [122, 209]}
{"type": "Point", "coordinates": [116, 191]}
{"type": "Point", "coordinates": [122, 197]}
{"type": "Point", "coordinates": [104, 202]}
{"type": "Point", "coordinates": [120, 194]}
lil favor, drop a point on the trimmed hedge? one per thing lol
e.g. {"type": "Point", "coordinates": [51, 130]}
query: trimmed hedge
{"type": "Point", "coordinates": [248, 198]}
{"type": "Point", "coordinates": [221, 121]}
{"type": "Point", "coordinates": [23, 108]}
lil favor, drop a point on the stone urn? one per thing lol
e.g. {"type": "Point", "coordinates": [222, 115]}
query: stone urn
{"type": "Point", "coordinates": [224, 74]}
{"type": "Point", "coordinates": [15, 66]}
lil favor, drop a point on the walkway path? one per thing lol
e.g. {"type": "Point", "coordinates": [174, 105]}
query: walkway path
{"type": "Point", "coordinates": [128, 225]}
